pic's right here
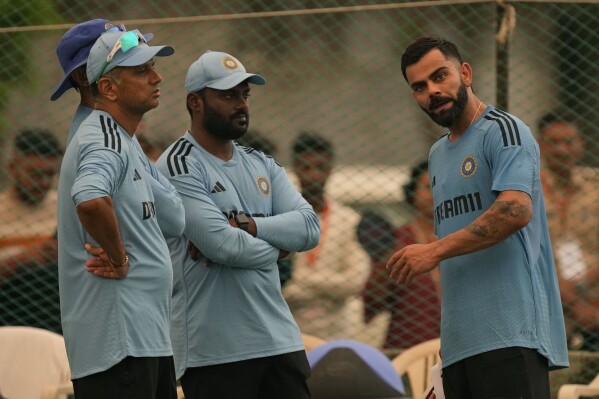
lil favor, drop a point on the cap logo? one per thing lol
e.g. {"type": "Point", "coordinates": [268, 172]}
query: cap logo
{"type": "Point", "coordinates": [108, 25]}
{"type": "Point", "coordinates": [229, 63]}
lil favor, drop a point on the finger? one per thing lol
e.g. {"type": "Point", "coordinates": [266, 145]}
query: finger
{"type": "Point", "coordinates": [394, 258]}
{"type": "Point", "coordinates": [96, 251]}
{"type": "Point", "coordinates": [403, 274]}
{"type": "Point", "coordinates": [95, 262]}
{"type": "Point", "coordinates": [397, 267]}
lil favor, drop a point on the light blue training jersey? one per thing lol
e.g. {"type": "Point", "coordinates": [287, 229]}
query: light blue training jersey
{"type": "Point", "coordinates": [231, 308]}
{"type": "Point", "coordinates": [506, 295]}
{"type": "Point", "coordinates": [106, 320]}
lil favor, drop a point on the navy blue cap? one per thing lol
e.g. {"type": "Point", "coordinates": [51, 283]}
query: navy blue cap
{"type": "Point", "coordinates": [74, 46]}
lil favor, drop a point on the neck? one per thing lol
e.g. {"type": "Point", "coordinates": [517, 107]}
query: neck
{"type": "Point", "coordinates": [473, 111]}
{"type": "Point", "coordinates": [87, 98]}
{"type": "Point", "coordinates": [220, 148]}
{"type": "Point", "coordinates": [128, 120]}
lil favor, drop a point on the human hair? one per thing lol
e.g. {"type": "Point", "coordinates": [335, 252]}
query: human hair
{"type": "Point", "coordinates": [113, 74]}
{"type": "Point", "coordinates": [409, 189]}
{"type": "Point", "coordinates": [312, 142]}
{"type": "Point", "coordinates": [422, 46]}
{"type": "Point", "coordinates": [553, 117]}
{"type": "Point", "coordinates": [37, 141]}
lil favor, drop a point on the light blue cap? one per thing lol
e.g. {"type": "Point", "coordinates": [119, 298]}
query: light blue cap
{"type": "Point", "coordinates": [138, 55]}
{"type": "Point", "coordinates": [220, 71]}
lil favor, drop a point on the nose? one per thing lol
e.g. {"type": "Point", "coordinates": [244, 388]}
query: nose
{"type": "Point", "coordinates": [157, 78]}
{"type": "Point", "coordinates": [242, 103]}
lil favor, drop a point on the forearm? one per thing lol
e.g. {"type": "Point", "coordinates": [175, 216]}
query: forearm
{"type": "Point", "coordinates": [99, 220]}
{"type": "Point", "coordinates": [292, 231]}
{"type": "Point", "coordinates": [508, 214]}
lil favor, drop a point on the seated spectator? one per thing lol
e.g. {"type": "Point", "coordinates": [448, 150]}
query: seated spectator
{"type": "Point", "coordinates": [415, 307]}
{"type": "Point", "coordinates": [573, 217]}
{"type": "Point", "coordinates": [28, 205]}
{"type": "Point", "coordinates": [30, 296]}
{"type": "Point", "coordinates": [324, 290]}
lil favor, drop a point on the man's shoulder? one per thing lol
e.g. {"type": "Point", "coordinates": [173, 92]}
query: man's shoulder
{"type": "Point", "coordinates": [175, 160]}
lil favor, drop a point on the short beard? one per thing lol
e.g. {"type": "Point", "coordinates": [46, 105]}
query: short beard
{"type": "Point", "coordinates": [448, 118]}
{"type": "Point", "coordinates": [218, 126]}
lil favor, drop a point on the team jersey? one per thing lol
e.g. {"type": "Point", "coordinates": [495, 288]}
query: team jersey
{"type": "Point", "coordinates": [106, 320]}
{"type": "Point", "coordinates": [228, 306]}
{"type": "Point", "coordinates": [506, 295]}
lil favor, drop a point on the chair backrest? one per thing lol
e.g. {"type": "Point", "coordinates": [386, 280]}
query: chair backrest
{"type": "Point", "coordinates": [416, 362]}
{"type": "Point", "coordinates": [311, 342]}
{"type": "Point", "coordinates": [31, 359]}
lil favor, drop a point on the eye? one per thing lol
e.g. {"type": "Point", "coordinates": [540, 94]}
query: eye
{"type": "Point", "coordinates": [246, 96]}
{"type": "Point", "coordinates": [440, 76]}
{"type": "Point", "coordinates": [418, 88]}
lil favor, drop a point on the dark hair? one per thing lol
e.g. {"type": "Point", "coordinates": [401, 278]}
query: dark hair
{"type": "Point", "coordinates": [552, 117]}
{"type": "Point", "coordinates": [312, 142]}
{"type": "Point", "coordinates": [422, 46]}
{"type": "Point", "coordinates": [37, 142]}
{"type": "Point", "coordinates": [409, 189]}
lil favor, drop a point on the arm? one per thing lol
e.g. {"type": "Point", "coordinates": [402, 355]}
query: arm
{"type": "Point", "coordinates": [511, 211]}
{"type": "Point", "coordinates": [169, 207]}
{"type": "Point", "coordinates": [294, 225]}
{"type": "Point", "coordinates": [99, 220]}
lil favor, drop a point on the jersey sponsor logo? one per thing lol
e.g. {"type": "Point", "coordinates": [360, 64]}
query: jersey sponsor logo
{"type": "Point", "coordinates": [218, 188]}
{"type": "Point", "coordinates": [508, 126]}
{"type": "Point", "coordinates": [112, 137]}
{"type": "Point", "coordinates": [263, 185]}
{"type": "Point", "coordinates": [457, 206]}
{"type": "Point", "coordinates": [136, 175]}
{"type": "Point", "coordinates": [176, 158]}
{"type": "Point", "coordinates": [468, 168]}
{"type": "Point", "coordinates": [149, 210]}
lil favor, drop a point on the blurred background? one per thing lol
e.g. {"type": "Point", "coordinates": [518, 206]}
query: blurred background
{"type": "Point", "coordinates": [333, 74]}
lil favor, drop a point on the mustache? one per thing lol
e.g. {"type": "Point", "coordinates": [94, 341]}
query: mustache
{"type": "Point", "coordinates": [438, 100]}
{"type": "Point", "coordinates": [240, 113]}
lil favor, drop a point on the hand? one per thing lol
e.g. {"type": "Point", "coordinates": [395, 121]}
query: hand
{"type": "Point", "coordinates": [412, 261]}
{"type": "Point", "coordinates": [195, 253]}
{"type": "Point", "coordinates": [101, 266]}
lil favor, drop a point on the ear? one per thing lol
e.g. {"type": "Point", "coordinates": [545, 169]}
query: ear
{"type": "Point", "coordinates": [108, 88]}
{"type": "Point", "coordinates": [194, 102]}
{"type": "Point", "coordinates": [79, 76]}
{"type": "Point", "coordinates": [466, 74]}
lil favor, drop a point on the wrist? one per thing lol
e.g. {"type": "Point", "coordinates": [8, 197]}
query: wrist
{"type": "Point", "coordinates": [117, 265]}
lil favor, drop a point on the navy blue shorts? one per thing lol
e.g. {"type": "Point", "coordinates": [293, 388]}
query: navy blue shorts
{"type": "Point", "coordinates": [518, 373]}
{"type": "Point", "coordinates": [274, 377]}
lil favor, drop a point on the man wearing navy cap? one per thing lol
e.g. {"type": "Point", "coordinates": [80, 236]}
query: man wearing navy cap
{"type": "Point", "coordinates": [233, 334]}
{"type": "Point", "coordinates": [115, 317]}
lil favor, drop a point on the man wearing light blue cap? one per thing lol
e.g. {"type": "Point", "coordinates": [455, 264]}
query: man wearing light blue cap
{"type": "Point", "coordinates": [233, 334]}
{"type": "Point", "coordinates": [115, 317]}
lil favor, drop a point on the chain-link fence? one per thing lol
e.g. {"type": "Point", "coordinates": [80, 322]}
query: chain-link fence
{"type": "Point", "coordinates": [332, 70]}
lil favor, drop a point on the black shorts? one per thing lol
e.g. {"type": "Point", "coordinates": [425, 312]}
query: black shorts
{"type": "Point", "coordinates": [519, 373]}
{"type": "Point", "coordinates": [273, 377]}
{"type": "Point", "coordinates": [131, 378]}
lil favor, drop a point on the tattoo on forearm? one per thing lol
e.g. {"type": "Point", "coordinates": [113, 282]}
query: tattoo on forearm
{"type": "Point", "coordinates": [492, 223]}
{"type": "Point", "coordinates": [512, 209]}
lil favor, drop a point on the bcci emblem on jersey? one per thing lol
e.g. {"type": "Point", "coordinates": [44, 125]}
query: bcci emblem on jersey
{"type": "Point", "coordinates": [468, 168]}
{"type": "Point", "coordinates": [263, 185]}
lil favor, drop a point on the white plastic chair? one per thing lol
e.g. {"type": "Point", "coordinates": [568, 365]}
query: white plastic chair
{"type": "Point", "coordinates": [575, 391]}
{"type": "Point", "coordinates": [416, 362]}
{"type": "Point", "coordinates": [34, 362]}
